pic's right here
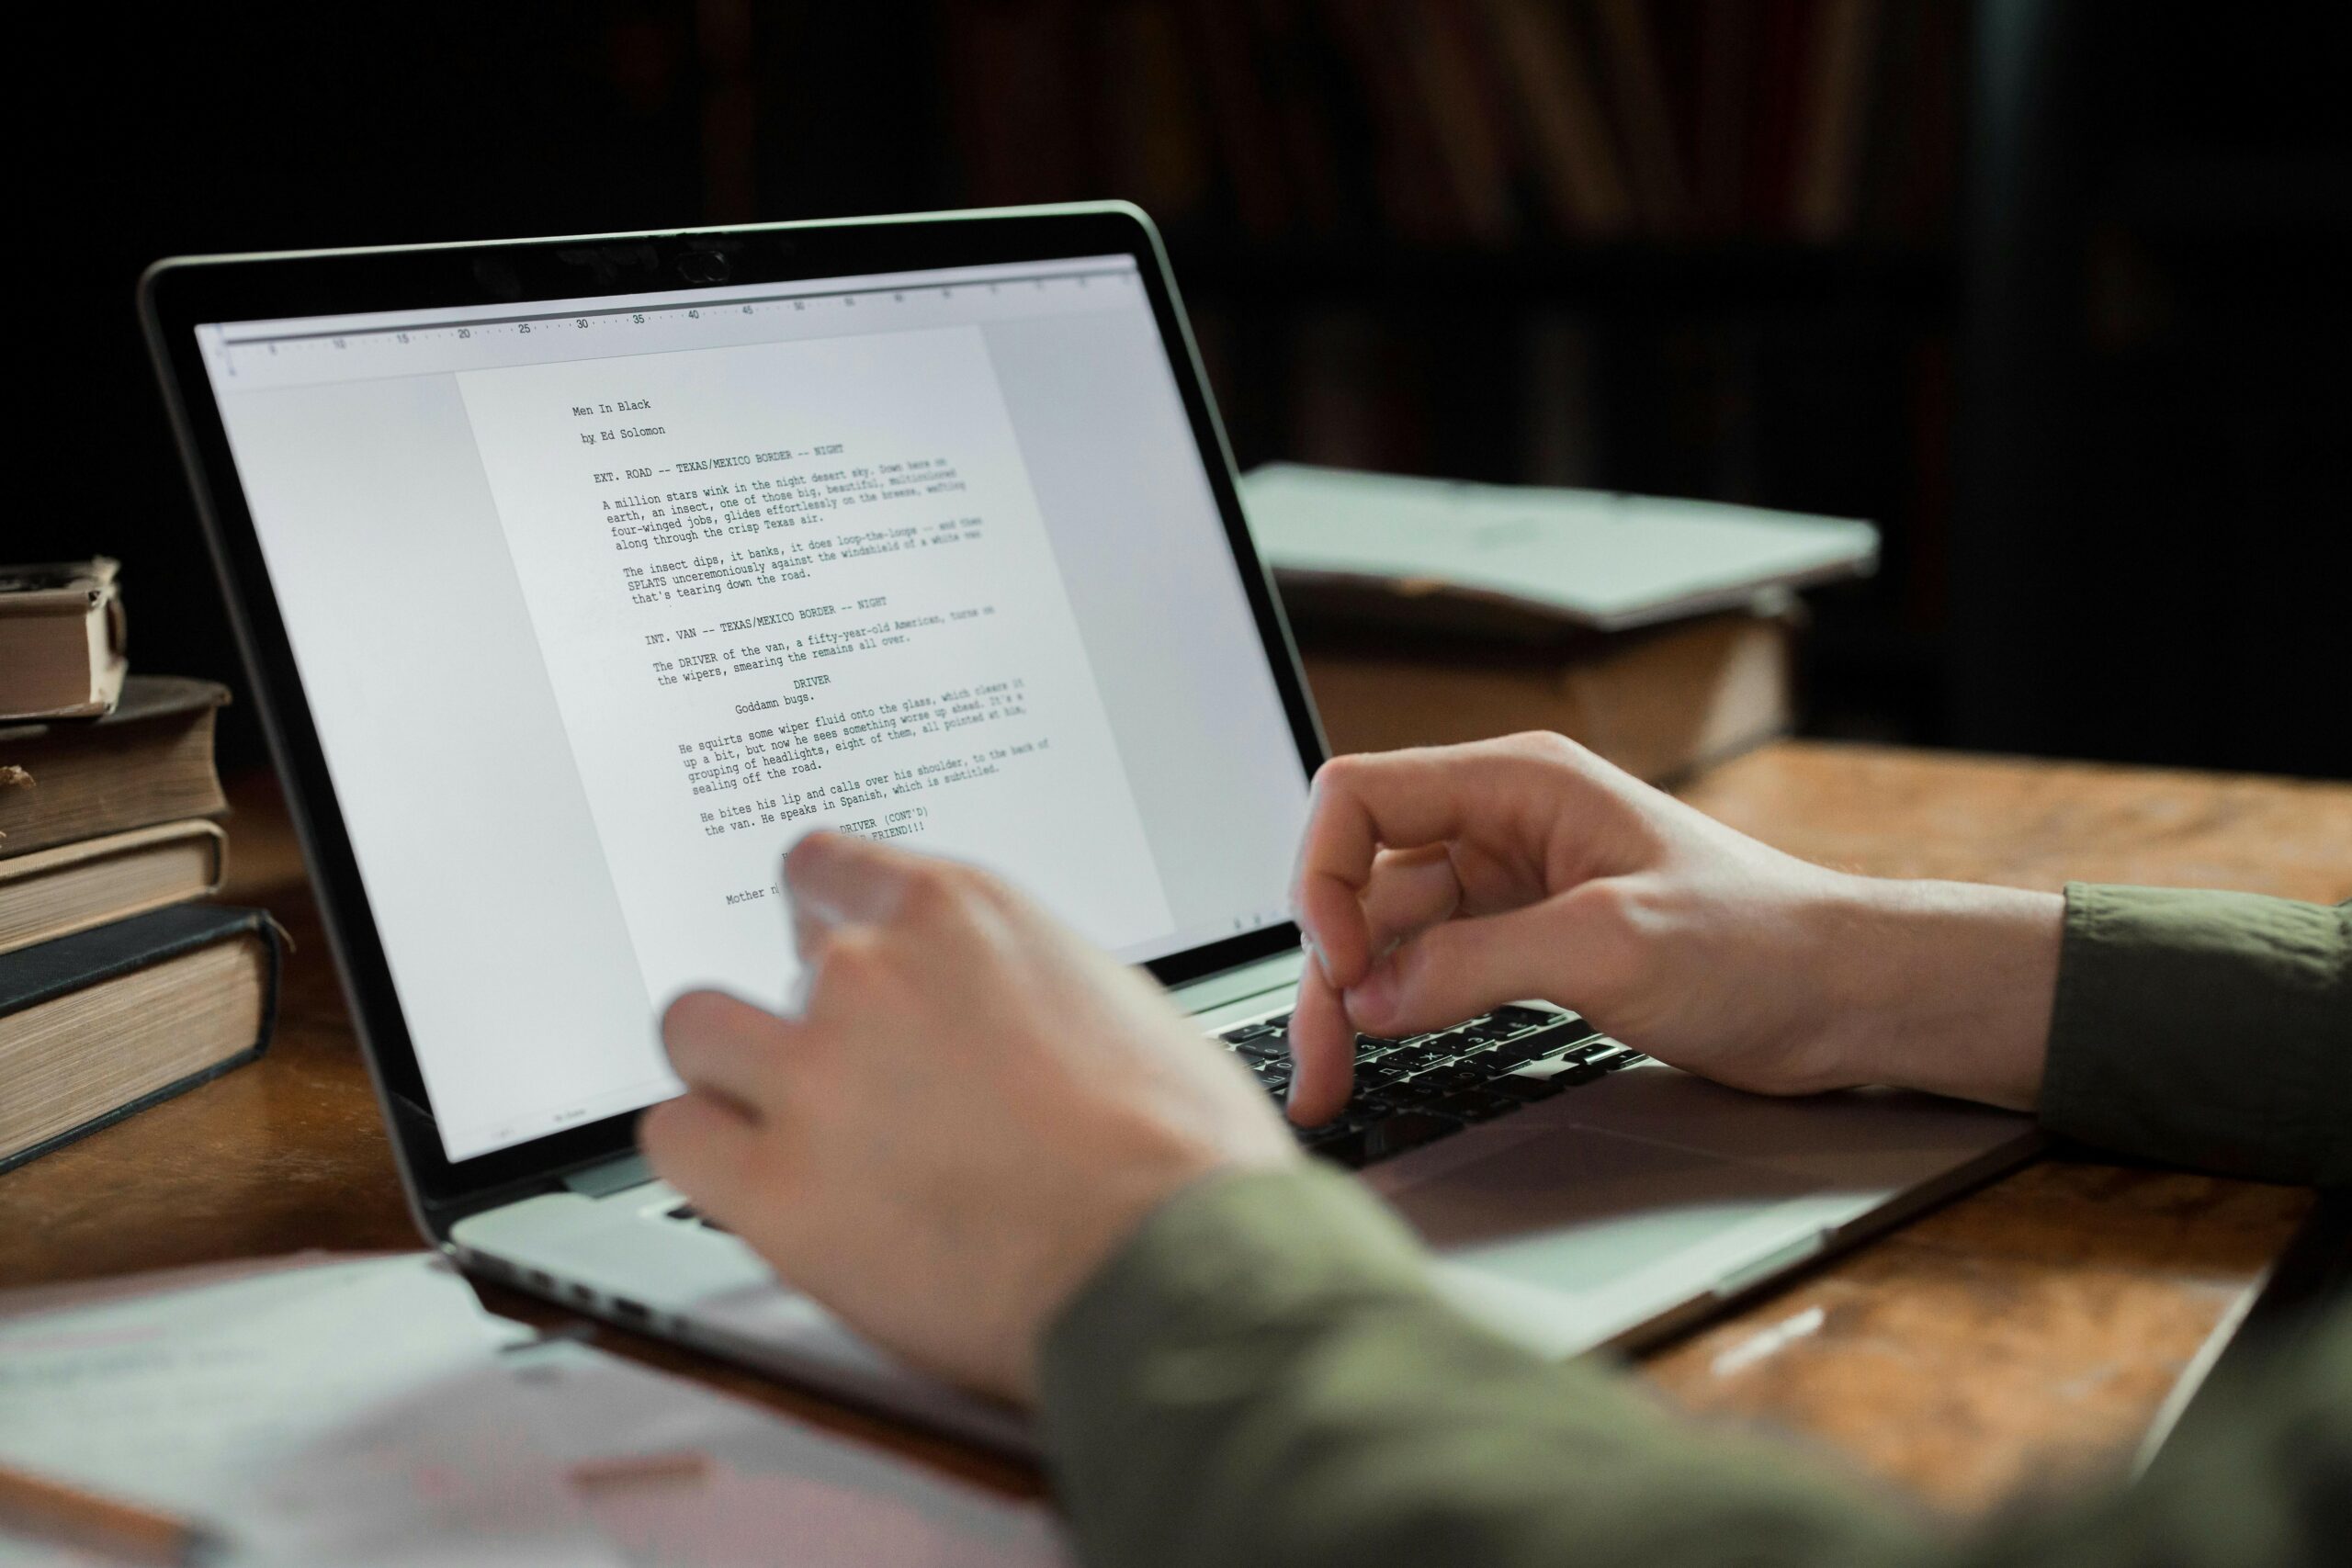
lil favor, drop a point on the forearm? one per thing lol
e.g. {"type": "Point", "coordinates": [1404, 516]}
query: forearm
{"type": "Point", "coordinates": [2212, 1029]}
{"type": "Point", "coordinates": [1945, 986]}
{"type": "Point", "coordinates": [1263, 1376]}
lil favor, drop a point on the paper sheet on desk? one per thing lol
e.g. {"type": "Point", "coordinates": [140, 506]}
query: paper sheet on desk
{"type": "Point", "coordinates": [248, 1403]}
{"type": "Point", "coordinates": [772, 1490]}
{"type": "Point", "coordinates": [368, 1412]}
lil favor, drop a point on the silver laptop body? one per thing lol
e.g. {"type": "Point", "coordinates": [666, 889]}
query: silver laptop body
{"type": "Point", "coordinates": [1608, 1217]}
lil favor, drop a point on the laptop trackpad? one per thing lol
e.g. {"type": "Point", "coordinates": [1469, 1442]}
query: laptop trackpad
{"type": "Point", "coordinates": [1572, 1209]}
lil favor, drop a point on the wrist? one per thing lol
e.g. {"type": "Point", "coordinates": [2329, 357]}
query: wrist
{"type": "Point", "coordinates": [1123, 1205]}
{"type": "Point", "coordinates": [1945, 986]}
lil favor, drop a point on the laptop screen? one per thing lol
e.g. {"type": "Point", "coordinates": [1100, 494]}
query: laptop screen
{"type": "Point", "coordinates": [599, 604]}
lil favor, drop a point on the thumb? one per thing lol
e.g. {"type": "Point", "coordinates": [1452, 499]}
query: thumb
{"type": "Point", "coordinates": [1457, 970]}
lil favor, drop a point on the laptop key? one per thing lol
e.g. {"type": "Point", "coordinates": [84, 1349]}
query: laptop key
{"type": "Point", "coordinates": [1475, 1105]}
{"type": "Point", "coordinates": [1527, 1088]}
{"type": "Point", "coordinates": [1542, 1042]}
{"type": "Point", "coordinates": [1339, 1142]}
{"type": "Point", "coordinates": [1405, 1129]}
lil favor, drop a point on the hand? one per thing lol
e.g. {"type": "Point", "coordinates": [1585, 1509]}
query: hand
{"type": "Point", "coordinates": [973, 1110]}
{"type": "Point", "coordinates": [1435, 885]}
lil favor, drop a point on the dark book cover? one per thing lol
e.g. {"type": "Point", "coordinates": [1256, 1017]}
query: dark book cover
{"type": "Point", "coordinates": [149, 760]}
{"type": "Point", "coordinates": [50, 970]}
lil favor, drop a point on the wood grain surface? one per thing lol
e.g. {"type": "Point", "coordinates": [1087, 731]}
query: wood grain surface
{"type": "Point", "coordinates": [2022, 1337]}
{"type": "Point", "coordinates": [2024, 1333]}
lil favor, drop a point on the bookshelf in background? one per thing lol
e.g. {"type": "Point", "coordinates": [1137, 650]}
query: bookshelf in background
{"type": "Point", "coordinates": [1688, 247]}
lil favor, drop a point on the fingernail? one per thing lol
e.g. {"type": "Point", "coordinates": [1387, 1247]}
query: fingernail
{"type": "Point", "coordinates": [1369, 1000]}
{"type": "Point", "coordinates": [1316, 953]}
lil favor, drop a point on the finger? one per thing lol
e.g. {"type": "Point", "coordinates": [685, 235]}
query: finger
{"type": "Point", "coordinates": [1322, 1051]}
{"type": "Point", "coordinates": [837, 879]}
{"type": "Point", "coordinates": [1457, 970]}
{"type": "Point", "coordinates": [724, 1046]}
{"type": "Point", "coordinates": [1539, 800]}
{"type": "Point", "coordinates": [810, 927]}
{"type": "Point", "coordinates": [1399, 800]}
{"type": "Point", "coordinates": [1408, 890]}
{"type": "Point", "coordinates": [863, 979]}
{"type": "Point", "coordinates": [704, 1146]}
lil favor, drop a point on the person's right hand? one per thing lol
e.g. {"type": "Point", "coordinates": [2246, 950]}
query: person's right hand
{"type": "Point", "coordinates": [1435, 885]}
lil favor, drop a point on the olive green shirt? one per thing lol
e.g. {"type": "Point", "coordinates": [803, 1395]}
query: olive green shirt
{"type": "Point", "coordinates": [1263, 1375]}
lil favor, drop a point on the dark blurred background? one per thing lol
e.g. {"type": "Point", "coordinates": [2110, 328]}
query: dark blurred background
{"type": "Point", "coordinates": [2055, 293]}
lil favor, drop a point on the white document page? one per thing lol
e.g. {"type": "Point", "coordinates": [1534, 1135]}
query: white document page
{"type": "Point", "coordinates": [368, 1412]}
{"type": "Point", "coordinates": [258, 1405]}
{"type": "Point", "coordinates": [769, 1489]}
{"type": "Point", "coordinates": [796, 584]}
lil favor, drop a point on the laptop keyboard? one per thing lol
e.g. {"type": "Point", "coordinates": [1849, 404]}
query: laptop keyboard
{"type": "Point", "coordinates": [1413, 1091]}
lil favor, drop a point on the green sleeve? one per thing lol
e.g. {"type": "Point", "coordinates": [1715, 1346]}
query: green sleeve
{"type": "Point", "coordinates": [2212, 1029]}
{"type": "Point", "coordinates": [1261, 1376]}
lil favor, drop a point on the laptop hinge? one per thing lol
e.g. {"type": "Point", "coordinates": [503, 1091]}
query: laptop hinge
{"type": "Point", "coordinates": [616, 1175]}
{"type": "Point", "coordinates": [1259, 978]}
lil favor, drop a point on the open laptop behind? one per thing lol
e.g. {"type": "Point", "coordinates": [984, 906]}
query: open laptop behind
{"type": "Point", "coordinates": [578, 578]}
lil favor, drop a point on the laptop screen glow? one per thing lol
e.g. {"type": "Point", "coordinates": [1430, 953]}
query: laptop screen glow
{"type": "Point", "coordinates": [600, 605]}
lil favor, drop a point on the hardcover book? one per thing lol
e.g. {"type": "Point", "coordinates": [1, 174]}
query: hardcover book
{"type": "Point", "coordinates": [56, 892]}
{"type": "Point", "coordinates": [97, 1026]}
{"type": "Point", "coordinates": [60, 640]}
{"type": "Point", "coordinates": [149, 760]}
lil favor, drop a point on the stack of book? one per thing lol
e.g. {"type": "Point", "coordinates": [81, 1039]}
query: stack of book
{"type": "Point", "coordinates": [1658, 632]}
{"type": "Point", "coordinates": [118, 987]}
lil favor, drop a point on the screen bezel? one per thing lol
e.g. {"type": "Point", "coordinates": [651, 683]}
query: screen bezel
{"type": "Point", "coordinates": [177, 296]}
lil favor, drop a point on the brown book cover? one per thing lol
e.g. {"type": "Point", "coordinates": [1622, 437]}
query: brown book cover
{"type": "Point", "coordinates": [1156, 133]}
{"type": "Point", "coordinates": [1568, 131]}
{"type": "Point", "coordinates": [149, 761]}
{"type": "Point", "coordinates": [72, 887]}
{"type": "Point", "coordinates": [1472, 139]}
{"type": "Point", "coordinates": [100, 1025]}
{"type": "Point", "coordinates": [60, 640]}
{"type": "Point", "coordinates": [1661, 703]}
{"type": "Point", "coordinates": [1644, 114]}
{"type": "Point", "coordinates": [1831, 123]}
{"type": "Point", "coordinates": [1410, 184]}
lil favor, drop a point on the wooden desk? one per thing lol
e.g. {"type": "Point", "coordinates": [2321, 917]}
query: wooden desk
{"type": "Point", "coordinates": [2027, 1331]}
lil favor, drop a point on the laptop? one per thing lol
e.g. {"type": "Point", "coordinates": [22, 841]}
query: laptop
{"type": "Point", "coordinates": [577, 578]}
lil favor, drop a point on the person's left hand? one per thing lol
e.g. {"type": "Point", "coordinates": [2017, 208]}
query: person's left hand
{"type": "Point", "coordinates": [975, 1108]}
